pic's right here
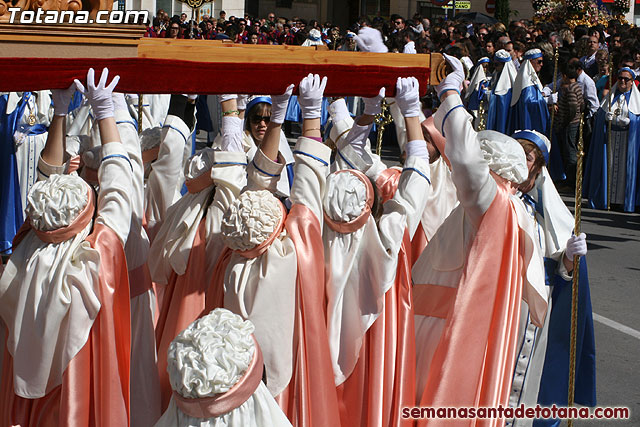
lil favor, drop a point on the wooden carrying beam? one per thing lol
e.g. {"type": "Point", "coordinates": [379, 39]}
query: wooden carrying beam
{"type": "Point", "coordinates": [53, 56]}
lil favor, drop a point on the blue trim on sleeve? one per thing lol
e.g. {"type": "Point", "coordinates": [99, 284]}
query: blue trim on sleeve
{"type": "Point", "coordinates": [345, 159]}
{"type": "Point", "coordinates": [446, 116]}
{"type": "Point", "coordinates": [177, 130]}
{"type": "Point", "coordinates": [229, 163]}
{"type": "Point", "coordinates": [110, 156]}
{"type": "Point", "coordinates": [290, 175]}
{"type": "Point", "coordinates": [312, 156]}
{"type": "Point", "coordinates": [131, 122]}
{"type": "Point", "coordinates": [418, 172]}
{"type": "Point", "coordinates": [261, 171]}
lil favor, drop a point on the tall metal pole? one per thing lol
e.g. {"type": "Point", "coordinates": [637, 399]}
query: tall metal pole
{"type": "Point", "coordinates": [555, 83]}
{"type": "Point", "coordinates": [140, 114]}
{"type": "Point", "coordinates": [576, 273]}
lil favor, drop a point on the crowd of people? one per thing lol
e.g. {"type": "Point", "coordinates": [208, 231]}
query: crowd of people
{"type": "Point", "coordinates": [249, 283]}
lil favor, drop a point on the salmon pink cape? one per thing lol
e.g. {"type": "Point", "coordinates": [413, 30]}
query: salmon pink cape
{"type": "Point", "coordinates": [183, 302]}
{"type": "Point", "coordinates": [310, 398]}
{"type": "Point", "coordinates": [383, 380]}
{"type": "Point", "coordinates": [95, 384]}
{"type": "Point", "coordinates": [473, 362]}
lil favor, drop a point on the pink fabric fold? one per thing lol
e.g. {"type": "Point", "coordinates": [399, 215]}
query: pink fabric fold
{"type": "Point", "coordinates": [95, 385]}
{"type": "Point", "coordinates": [310, 398]}
{"type": "Point", "coordinates": [140, 280]}
{"type": "Point", "coordinates": [215, 406]}
{"type": "Point", "coordinates": [387, 183]}
{"type": "Point", "coordinates": [199, 183]}
{"type": "Point", "coordinates": [74, 164]}
{"type": "Point", "coordinates": [473, 362]}
{"type": "Point", "coordinates": [182, 303]}
{"type": "Point", "coordinates": [433, 300]}
{"type": "Point", "coordinates": [383, 380]}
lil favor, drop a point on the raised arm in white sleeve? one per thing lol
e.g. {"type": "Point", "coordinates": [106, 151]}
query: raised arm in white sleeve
{"type": "Point", "coordinates": [114, 197]}
{"type": "Point", "coordinates": [469, 171]}
{"type": "Point", "coordinates": [310, 174]}
{"type": "Point", "coordinates": [160, 192]}
{"type": "Point", "coordinates": [137, 247]}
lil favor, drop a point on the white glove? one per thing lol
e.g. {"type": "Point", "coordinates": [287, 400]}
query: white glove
{"type": "Point", "coordinates": [370, 40]}
{"type": "Point", "coordinates": [279, 105]}
{"type": "Point", "coordinates": [242, 102]}
{"type": "Point", "coordinates": [408, 96]}
{"type": "Point", "coordinates": [576, 245]}
{"type": "Point", "coordinates": [192, 97]}
{"type": "Point", "coordinates": [373, 106]}
{"type": "Point", "coordinates": [228, 97]}
{"type": "Point", "coordinates": [61, 99]}
{"type": "Point", "coordinates": [99, 96]}
{"type": "Point", "coordinates": [454, 80]}
{"type": "Point", "coordinates": [119, 102]}
{"type": "Point", "coordinates": [418, 148]}
{"type": "Point", "coordinates": [621, 121]}
{"type": "Point", "coordinates": [232, 134]}
{"type": "Point", "coordinates": [311, 90]}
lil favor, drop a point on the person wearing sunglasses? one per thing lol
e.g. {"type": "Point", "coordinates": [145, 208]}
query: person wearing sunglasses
{"type": "Point", "coordinates": [622, 111]}
{"type": "Point", "coordinates": [528, 106]}
{"type": "Point", "coordinates": [173, 32]}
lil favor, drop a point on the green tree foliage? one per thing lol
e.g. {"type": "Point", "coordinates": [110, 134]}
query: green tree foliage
{"type": "Point", "coordinates": [503, 11]}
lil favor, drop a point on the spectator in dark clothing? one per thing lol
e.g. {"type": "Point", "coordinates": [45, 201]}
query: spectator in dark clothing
{"type": "Point", "coordinates": [570, 107]}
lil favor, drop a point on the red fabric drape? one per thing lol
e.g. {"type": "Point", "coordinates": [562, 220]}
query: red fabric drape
{"type": "Point", "coordinates": [146, 75]}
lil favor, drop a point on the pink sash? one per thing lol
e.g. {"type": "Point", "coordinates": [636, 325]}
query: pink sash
{"type": "Point", "coordinates": [95, 385]}
{"type": "Point", "coordinates": [214, 406]}
{"type": "Point", "coordinates": [356, 223]}
{"type": "Point", "coordinates": [199, 183]}
{"type": "Point", "coordinates": [310, 398]}
{"type": "Point", "coordinates": [477, 372]}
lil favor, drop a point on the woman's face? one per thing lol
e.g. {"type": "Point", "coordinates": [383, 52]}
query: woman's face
{"type": "Point", "coordinates": [534, 171]}
{"type": "Point", "coordinates": [258, 122]}
{"type": "Point", "coordinates": [625, 81]}
{"type": "Point", "coordinates": [489, 47]}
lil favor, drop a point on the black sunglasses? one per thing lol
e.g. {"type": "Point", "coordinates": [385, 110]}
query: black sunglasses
{"type": "Point", "coordinates": [257, 119]}
{"type": "Point", "coordinates": [625, 79]}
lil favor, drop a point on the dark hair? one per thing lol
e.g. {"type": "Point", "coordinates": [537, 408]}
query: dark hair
{"type": "Point", "coordinates": [409, 33]}
{"type": "Point", "coordinates": [259, 109]}
{"type": "Point", "coordinates": [528, 147]}
{"type": "Point", "coordinates": [364, 20]}
{"type": "Point", "coordinates": [571, 70]}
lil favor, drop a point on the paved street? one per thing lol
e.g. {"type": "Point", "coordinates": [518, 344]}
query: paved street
{"type": "Point", "coordinates": [614, 273]}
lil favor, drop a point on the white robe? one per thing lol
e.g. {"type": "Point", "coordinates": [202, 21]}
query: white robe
{"type": "Point", "coordinates": [263, 289]}
{"type": "Point", "coordinates": [42, 343]}
{"type": "Point", "coordinates": [362, 265]}
{"type": "Point", "coordinates": [442, 263]}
